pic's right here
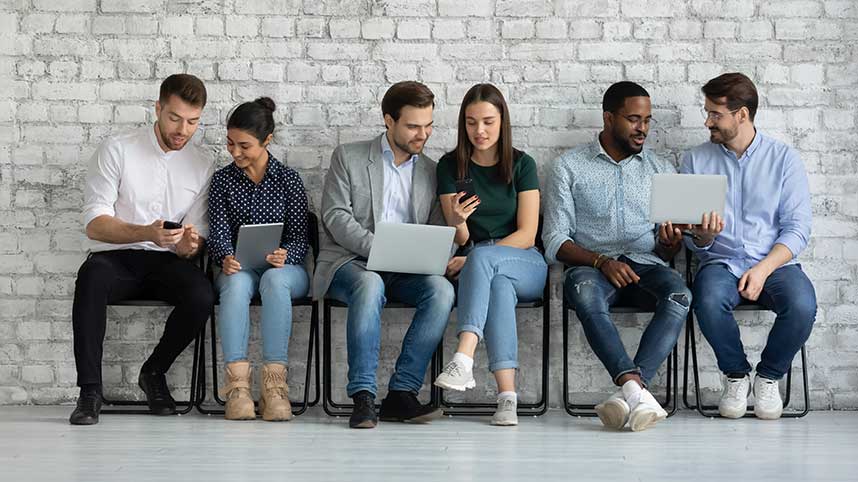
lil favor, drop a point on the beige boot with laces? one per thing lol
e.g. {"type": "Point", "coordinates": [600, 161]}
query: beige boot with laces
{"type": "Point", "coordinates": [236, 392]}
{"type": "Point", "coordinates": [274, 400]}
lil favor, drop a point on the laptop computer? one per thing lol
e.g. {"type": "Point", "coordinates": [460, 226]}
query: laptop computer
{"type": "Point", "coordinates": [411, 248]}
{"type": "Point", "coordinates": [255, 242]}
{"type": "Point", "coordinates": [683, 198]}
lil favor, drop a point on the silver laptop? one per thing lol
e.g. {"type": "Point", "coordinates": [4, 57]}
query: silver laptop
{"type": "Point", "coordinates": [411, 248]}
{"type": "Point", "coordinates": [255, 242]}
{"type": "Point", "coordinates": [683, 198]}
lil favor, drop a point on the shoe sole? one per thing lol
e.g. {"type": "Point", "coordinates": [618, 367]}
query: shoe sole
{"type": "Point", "coordinates": [84, 423]}
{"type": "Point", "coordinates": [734, 414]}
{"type": "Point", "coordinates": [425, 418]}
{"type": "Point", "coordinates": [161, 412]}
{"type": "Point", "coordinates": [768, 415]}
{"type": "Point", "coordinates": [645, 419]}
{"type": "Point", "coordinates": [364, 424]}
{"type": "Point", "coordinates": [613, 414]}
{"type": "Point", "coordinates": [459, 388]}
{"type": "Point", "coordinates": [509, 423]}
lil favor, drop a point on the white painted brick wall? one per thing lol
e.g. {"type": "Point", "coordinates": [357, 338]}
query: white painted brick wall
{"type": "Point", "coordinates": [75, 71]}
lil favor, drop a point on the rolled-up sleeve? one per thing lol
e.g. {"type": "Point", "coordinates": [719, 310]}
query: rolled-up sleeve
{"type": "Point", "coordinates": [559, 214]}
{"type": "Point", "coordinates": [794, 209]}
{"type": "Point", "coordinates": [102, 183]}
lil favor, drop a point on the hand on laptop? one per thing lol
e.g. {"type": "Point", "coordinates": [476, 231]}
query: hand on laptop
{"type": "Point", "coordinates": [163, 237]}
{"type": "Point", "coordinates": [277, 258]}
{"type": "Point", "coordinates": [709, 227]}
{"type": "Point", "coordinates": [230, 265]}
{"type": "Point", "coordinates": [189, 243]}
{"type": "Point", "coordinates": [618, 273]}
{"type": "Point", "coordinates": [454, 267]}
{"type": "Point", "coordinates": [463, 208]}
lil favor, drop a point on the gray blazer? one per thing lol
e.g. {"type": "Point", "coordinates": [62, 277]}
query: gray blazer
{"type": "Point", "coordinates": [352, 201]}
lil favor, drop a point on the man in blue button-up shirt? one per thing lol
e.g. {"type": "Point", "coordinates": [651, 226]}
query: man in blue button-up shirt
{"type": "Point", "coordinates": [766, 226]}
{"type": "Point", "coordinates": [596, 221]}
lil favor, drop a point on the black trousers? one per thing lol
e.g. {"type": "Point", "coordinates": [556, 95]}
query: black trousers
{"type": "Point", "coordinates": [112, 276]}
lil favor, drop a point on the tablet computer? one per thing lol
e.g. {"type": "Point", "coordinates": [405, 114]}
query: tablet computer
{"type": "Point", "coordinates": [411, 248]}
{"type": "Point", "coordinates": [255, 242]}
{"type": "Point", "coordinates": [683, 198]}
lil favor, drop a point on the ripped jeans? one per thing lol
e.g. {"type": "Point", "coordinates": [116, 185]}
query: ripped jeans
{"type": "Point", "coordinates": [660, 288]}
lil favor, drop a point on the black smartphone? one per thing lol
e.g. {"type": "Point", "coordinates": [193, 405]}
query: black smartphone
{"type": "Point", "coordinates": [467, 186]}
{"type": "Point", "coordinates": [172, 225]}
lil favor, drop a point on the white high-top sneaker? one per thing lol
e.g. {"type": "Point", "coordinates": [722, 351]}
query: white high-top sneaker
{"type": "Point", "coordinates": [734, 398]}
{"type": "Point", "coordinates": [767, 399]}
{"type": "Point", "coordinates": [646, 411]}
{"type": "Point", "coordinates": [614, 412]}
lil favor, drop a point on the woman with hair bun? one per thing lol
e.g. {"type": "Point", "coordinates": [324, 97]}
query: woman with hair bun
{"type": "Point", "coordinates": [257, 189]}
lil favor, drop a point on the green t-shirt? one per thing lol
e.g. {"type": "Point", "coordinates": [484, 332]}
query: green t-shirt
{"type": "Point", "coordinates": [495, 217]}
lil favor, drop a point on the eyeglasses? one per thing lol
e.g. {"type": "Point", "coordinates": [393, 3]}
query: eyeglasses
{"type": "Point", "coordinates": [715, 116]}
{"type": "Point", "coordinates": [637, 120]}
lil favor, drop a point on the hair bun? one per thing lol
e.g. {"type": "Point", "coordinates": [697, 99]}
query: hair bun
{"type": "Point", "coordinates": [266, 102]}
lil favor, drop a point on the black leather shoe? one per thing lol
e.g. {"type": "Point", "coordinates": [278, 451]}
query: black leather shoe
{"type": "Point", "coordinates": [363, 413]}
{"type": "Point", "coordinates": [403, 406]}
{"type": "Point", "coordinates": [87, 409]}
{"type": "Point", "coordinates": [154, 385]}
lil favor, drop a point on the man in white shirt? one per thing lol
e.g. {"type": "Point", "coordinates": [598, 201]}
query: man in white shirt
{"type": "Point", "coordinates": [138, 184]}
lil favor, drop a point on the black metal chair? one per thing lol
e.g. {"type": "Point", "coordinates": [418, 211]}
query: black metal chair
{"type": "Point", "coordinates": [332, 407]}
{"type": "Point", "coordinates": [313, 238]}
{"type": "Point", "coordinates": [672, 365]}
{"type": "Point", "coordinates": [187, 405]}
{"type": "Point", "coordinates": [690, 343]}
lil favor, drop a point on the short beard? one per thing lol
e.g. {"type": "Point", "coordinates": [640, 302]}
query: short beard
{"type": "Point", "coordinates": [726, 136]}
{"type": "Point", "coordinates": [405, 148]}
{"type": "Point", "coordinates": [166, 139]}
{"type": "Point", "coordinates": [625, 145]}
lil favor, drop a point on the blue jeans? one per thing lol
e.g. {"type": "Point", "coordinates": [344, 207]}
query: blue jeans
{"type": "Point", "coordinates": [492, 281]}
{"type": "Point", "coordinates": [660, 288]}
{"type": "Point", "coordinates": [277, 287]}
{"type": "Point", "coordinates": [366, 292]}
{"type": "Point", "coordinates": [787, 291]}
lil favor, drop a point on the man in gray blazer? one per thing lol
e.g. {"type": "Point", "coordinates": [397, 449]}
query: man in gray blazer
{"type": "Point", "coordinates": [386, 179]}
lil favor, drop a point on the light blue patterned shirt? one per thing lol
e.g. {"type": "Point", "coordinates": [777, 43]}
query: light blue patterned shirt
{"type": "Point", "coordinates": [768, 201]}
{"type": "Point", "coordinates": [600, 204]}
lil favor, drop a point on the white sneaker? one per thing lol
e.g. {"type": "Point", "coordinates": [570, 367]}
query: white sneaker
{"type": "Point", "coordinates": [646, 411]}
{"type": "Point", "coordinates": [767, 399]}
{"type": "Point", "coordinates": [614, 412]}
{"type": "Point", "coordinates": [456, 377]}
{"type": "Point", "coordinates": [734, 398]}
{"type": "Point", "coordinates": [507, 412]}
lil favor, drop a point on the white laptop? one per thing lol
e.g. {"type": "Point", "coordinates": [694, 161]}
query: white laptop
{"type": "Point", "coordinates": [683, 198]}
{"type": "Point", "coordinates": [411, 248]}
{"type": "Point", "coordinates": [255, 242]}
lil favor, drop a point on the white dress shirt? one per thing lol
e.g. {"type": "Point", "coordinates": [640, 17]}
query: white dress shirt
{"type": "Point", "coordinates": [131, 178]}
{"type": "Point", "coordinates": [397, 186]}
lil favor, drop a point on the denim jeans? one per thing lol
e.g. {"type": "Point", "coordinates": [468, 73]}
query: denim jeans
{"type": "Point", "coordinates": [590, 294]}
{"type": "Point", "coordinates": [277, 287]}
{"type": "Point", "coordinates": [366, 292]}
{"type": "Point", "coordinates": [787, 291]}
{"type": "Point", "coordinates": [492, 281]}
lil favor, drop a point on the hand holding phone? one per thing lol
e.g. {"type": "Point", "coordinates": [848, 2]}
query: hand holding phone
{"type": "Point", "coordinates": [172, 225]}
{"type": "Point", "coordinates": [467, 186]}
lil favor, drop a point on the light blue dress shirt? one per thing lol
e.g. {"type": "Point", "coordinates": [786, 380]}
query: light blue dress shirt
{"type": "Point", "coordinates": [397, 186]}
{"type": "Point", "coordinates": [768, 201]}
{"type": "Point", "coordinates": [600, 204]}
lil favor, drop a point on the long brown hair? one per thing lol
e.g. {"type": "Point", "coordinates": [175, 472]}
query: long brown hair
{"type": "Point", "coordinates": [464, 149]}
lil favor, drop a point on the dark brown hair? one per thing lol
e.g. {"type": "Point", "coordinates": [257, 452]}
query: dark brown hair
{"type": "Point", "coordinates": [405, 93]}
{"type": "Point", "coordinates": [464, 149]}
{"type": "Point", "coordinates": [738, 90]}
{"type": "Point", "coordinates": [255, 118]}
{"type": "Point", "coordinates": [184, 86]}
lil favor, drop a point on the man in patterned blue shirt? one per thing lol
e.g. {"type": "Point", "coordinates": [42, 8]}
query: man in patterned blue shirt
{"type": "Point", "coordinates": [767, 221]}
{"type": "Point", "coordinates": [596, 222]}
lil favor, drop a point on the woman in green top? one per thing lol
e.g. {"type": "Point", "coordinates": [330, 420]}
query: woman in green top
{"type": "Point", "coordinates": [490, 193]}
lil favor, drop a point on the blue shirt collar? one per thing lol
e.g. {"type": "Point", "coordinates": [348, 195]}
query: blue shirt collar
{"type": "Point", "coordinates": [758, 139]}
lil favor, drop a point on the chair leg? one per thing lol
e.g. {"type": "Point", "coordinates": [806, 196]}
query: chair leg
{"type": "Point", "coordinates": [309, 366]}
{"type": "Point", "coordinates": [331, 407]}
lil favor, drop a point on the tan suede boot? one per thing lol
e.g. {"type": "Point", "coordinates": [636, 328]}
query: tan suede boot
{"type": "Point", "coordinates": [236, 392]}
{"type": "Point", "coordinates": [274, 401]}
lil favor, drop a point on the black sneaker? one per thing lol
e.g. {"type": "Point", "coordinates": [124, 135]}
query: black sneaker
{"type": "Point", "coordinates": [87, 409]}
{"type": "Point", "coordinates": [363, 413]}
{"type": "Point", "coordinates": [403, 406]}
{"type": "Point", "coordinates": [154, 385]}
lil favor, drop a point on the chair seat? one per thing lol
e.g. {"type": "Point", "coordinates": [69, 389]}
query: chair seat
{"type": "Point", "coordinates": [152, 303]}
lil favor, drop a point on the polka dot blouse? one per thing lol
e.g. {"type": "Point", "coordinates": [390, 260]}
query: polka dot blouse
{"type": "Point", "coordinates": [235, 200]}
